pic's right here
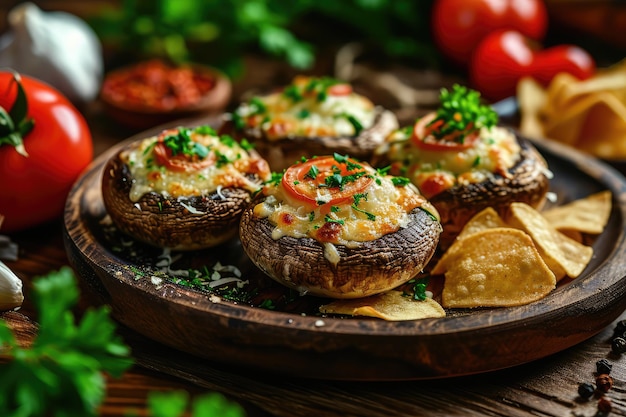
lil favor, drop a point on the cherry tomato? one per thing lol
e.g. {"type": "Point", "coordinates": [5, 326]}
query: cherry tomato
{"type": "Point", "coordinates": [503, 57]}
{"type": "Point", "coordinates": [342, 177]}
{"type": "Point", "coordinates": [34, 184]}
{"type": "Point", "coordinates": [424, 139]}
{"type": "Point", "coordinates": [460, 25]}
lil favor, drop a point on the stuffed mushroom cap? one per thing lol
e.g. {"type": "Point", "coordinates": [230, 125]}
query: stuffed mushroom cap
{"type": "Point", "coordinates": [184, 189]}
{"type": "Point", "coordinates": [309, 117]}
{"type": "Point", "coordinates": [464, 162]}
{"type": "Point", "coordinates": [335, 227]}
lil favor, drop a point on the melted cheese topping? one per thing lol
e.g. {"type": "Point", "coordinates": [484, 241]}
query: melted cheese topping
{"type": "Point", "coordinates": [382, 208]}
{"type": "Point", "coordinates": [233, 162]}
{"type": "Point", "coordinates": [282, 115]}
{"type": "Point", "coordinates": [495, 152]}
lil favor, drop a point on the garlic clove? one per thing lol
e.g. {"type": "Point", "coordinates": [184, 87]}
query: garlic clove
{"type": "Point", "coordinates": [56, 47]}
{"type": "Point", "coordinates": [11, 295]}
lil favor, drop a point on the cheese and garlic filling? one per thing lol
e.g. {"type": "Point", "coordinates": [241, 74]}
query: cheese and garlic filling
{"type": "Point", "coordinates": [433, 171]}
{"type": "Point", "coordinates": [230, 162]}
{"type": "Point", "coordinates": [382, 208]}
{"type": "Point", "coordinates": [309, 107]}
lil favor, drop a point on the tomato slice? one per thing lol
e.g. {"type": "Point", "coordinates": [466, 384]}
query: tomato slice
{"type": "Point", "coordinates": [180, 162]}
{"type": "Point", "coordinates": [340, 90]}
{"type": "Point", "coordinates": [336, 176]}
{"type": "Point", "coordinates": [424, 139]}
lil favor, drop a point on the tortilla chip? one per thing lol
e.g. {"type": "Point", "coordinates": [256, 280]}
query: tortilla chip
{"type": "Point", "coordinates": [391, 306]}
{"type": "Point", "coordinates": [486, 219]}
{"type": "Point", "coordinates": [563, 255]}
{"type": "Point", "coordinates": [497, 267]}
{"type": "Point", "coordinates": [586, 215]}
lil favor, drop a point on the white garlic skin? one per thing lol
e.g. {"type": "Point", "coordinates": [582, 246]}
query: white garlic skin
{"type": "Point", "coordinates": [55, 47]}
{"type": "Point", "coordinates": [11, 295]}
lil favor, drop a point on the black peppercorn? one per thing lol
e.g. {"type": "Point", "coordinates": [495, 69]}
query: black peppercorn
{"type": "Point", "coordinates": [585, 390]}
{"type": "Point", "coordinates": [620, 328]}
{"type": "Point", "coordinates": [604, 405]}
{"type": "Point", "coordinates": [618, 345]}
{"type": "Point", "coordinates": [603, 366]}
{"type": "Point", "coordinates": [604, 382]}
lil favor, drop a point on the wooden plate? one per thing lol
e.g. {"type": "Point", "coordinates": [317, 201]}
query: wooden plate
{"type": "Point", "coordinates": [288, 341]}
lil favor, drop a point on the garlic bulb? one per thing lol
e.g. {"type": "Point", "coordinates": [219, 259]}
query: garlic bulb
{"type": "Point", "coordinates": [11, 296]}
{"type": "Point", "coordinates": [55, 47]}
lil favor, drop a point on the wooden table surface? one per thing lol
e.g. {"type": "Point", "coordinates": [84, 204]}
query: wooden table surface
{"type": "Point", "coordinates": [547, 387]}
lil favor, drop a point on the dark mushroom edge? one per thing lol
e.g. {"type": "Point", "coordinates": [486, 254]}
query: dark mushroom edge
{"type": "Point", "coordinates": [367, 268]}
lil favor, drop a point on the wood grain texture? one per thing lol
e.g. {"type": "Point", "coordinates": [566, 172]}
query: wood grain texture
{"type": "Point", "coordinates": [291, 344]}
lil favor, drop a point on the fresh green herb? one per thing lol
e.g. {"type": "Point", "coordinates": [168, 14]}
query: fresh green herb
{"type": "Point", "coordinates": [334, 209]}
{"type": "Point", "coordinates": [345, 159]}
{"type": "Point", "coordinates": [228, 140]}
{"type": "Point", "coordinates": [400, 181]}
{"type": "Point", "coordinates": [313, 172]}
{"type": "Point", "coordinates": [160, 205]}
{"type": "Point", "coordinates": [419, 288]}
{"type": "Point", "coordinates": [221, 159]}
{"type": "Point", "coordinates": [329, 219]}
{"type": "Point", "coordinates": [303, 114]}
{"type": "Point", "coordinates": [356, 124]}
{"type": "Point", "coordinates": [383, 171]}
{"type": "Point", "coordinates": [476, 161]}
{"type": "Point", "coordinates": [267, 304]}
{"type": "Point", "coordinates": [178, 403]}
{"type": "Point", "coordinates": [462, 113]}
{"type": "Point", "coordinates": [62, 373]}
{"type": "Point", "coordinates": [358, 197]}
{"type": "Point", "coordinates": [431, 215]}
{"type": "Point", "coordinates": [246, 144]}
{"type": "Point", "coordinates": [257, 105]}
{"type": "Point", "coordinates": [182, 144]}
{"type": "Point", "coordinates": [205, 130]}
{"type": "Point", "coordinates": [311, 216]}
{"type": "Point", "coordinates": [296, 182]}
{"type": "Point", "coordinates": [369, 215]}
{"type": "Point", "coordinates": [293, 92]}
{"type": "Point", "coordinates": [275, 179]}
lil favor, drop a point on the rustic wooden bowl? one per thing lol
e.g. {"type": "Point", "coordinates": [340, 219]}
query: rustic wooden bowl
{"type": "Point", "coordinates": [304, 345]}
{"type": "Point", "coordinates": [139, 117]}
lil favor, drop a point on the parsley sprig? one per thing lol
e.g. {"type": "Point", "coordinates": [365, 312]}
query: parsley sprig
{"type": "Point", "coordinates": [63, 370]}
{"type": "Point", "coordinates": [461, 113]}
{"type": "Point", "coordinates": [182, 144]}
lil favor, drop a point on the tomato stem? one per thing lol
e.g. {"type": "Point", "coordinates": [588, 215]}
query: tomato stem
{"type": "Point", "coordinates": [14, 125]}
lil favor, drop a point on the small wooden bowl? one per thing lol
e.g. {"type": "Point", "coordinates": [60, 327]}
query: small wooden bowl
{"type": "Point", "coordinates": [130, 97]}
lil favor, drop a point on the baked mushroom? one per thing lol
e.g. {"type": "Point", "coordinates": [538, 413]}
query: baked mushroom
{"type": "Point", "coordinates": [184, 189]}
{"type": "Point", "coordinates": [335, 227]}
{"type": "Point", "coordinates": [311, 116]}
{"type": "Point", "coordinates": [463, 162]}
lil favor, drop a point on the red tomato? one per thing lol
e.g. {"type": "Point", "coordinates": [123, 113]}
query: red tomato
{"type": "Point", "coordinates": [343, 179]}
{"type": "Point", "coordinates": [460, 25]}
{"type": "Point", "coordinates": [340, 90]}
{"type": "Point", "coordinates": [181, 162]}
{"type": "Point", "coordinates": [424, 139]}
{"type": "Point", "coordinates": [33, 188]}
{"type": "Point", "coordinates": [504, 57]}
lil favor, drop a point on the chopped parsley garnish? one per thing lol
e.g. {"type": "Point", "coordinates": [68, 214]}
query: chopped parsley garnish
{"type": "Point", "coordinates": [257, 105]}
{"type": "Point", "coordinates": [461, 111]}
{"type": "Point", "coordinates": [275, 179]}
{"type": "Point", "coordinates": [356, 124]}
{"type": "Point", "coordinates": [311, 216]}
{"type": "Point", "coordinates": [419, 288]}
{"type": "Point", "coordinates": [334, 209]}
{"type": "Point", "coordinates": [312, 173]}
{"type": "Point", "coordinates": [205, 130]}
{"type": "Point", "coordinates": [345, 159]}
{"type": "Point", "coordinates": [383, 171]}
{"type": "Point", "coordinates": [221, 159]}
{"type": "Point", "coordinates": [228, 140]}
{"type": "Point", "coordinates": [293, 92]}
{"type": "Point", "coordinates": [329, 219]}
{"type": "Point", "coordinates": [476, 161]}
{"type": "Point", "coordinates": [358, 197]}
{"type": "Point", "coordinates": [182, 144]}
{"type": "Point", "coordinates": [400, 181]}
{"type": "Point", "coordinates": [303, 114]}
{"type": "Point", "coordinates": [369, 215]}
{"type": "Point", "coordinates": [246, 145]}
